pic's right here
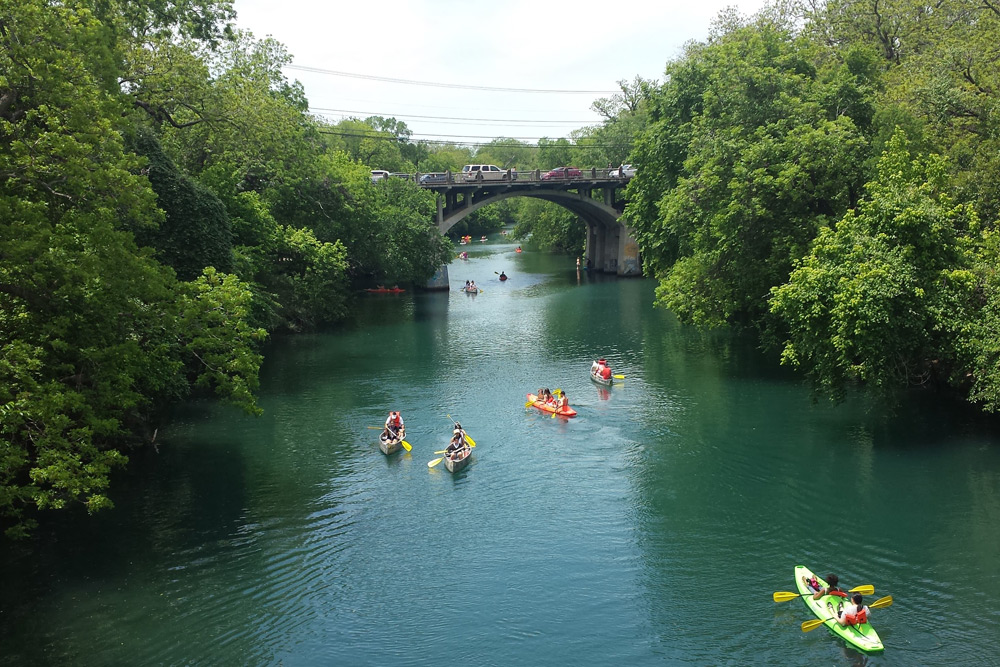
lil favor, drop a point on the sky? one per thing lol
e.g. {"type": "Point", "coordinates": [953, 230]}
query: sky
{"type": "Point", "coordinates": [533, 51]}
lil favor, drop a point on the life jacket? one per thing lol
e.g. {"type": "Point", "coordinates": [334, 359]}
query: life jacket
{"type": "Point", "coordinates": [395, 421]}
{"type": "Point", "coordinates": [605, 372]}
{"type": "Point", "coordinates": [837, 592]}
{"type": "Point", "coordinates": [854, 617]}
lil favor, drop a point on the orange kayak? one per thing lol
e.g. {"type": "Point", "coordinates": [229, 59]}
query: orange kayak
{"type": "Point", "coordinates": [548, 407]}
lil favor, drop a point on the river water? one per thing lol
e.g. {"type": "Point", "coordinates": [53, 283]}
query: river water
{"type": "Point", "coordinates": [651, 529]}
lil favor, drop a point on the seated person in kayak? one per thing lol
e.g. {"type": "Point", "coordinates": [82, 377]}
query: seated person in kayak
{"type": "Point", "coordinates": [832, 587]}
{"type": "Point", "coordinates": [394, 428]}
{"type": "Point", "coordinates": [503, 276]}
{"type": "Point", "coordinates": [563, 402]}
{"type": "Point", "coordinates": [851, 614]}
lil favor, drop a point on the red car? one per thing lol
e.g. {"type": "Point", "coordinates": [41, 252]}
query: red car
{"type": "Point", "coordinates": [561, 172]}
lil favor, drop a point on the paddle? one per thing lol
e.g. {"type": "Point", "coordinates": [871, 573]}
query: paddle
{"type": "Point", "coordinates": [785, 596]}
{"type": "Point", "coordinates": [431, 464]}
{"type": "Point", "coordinates": [472, 443]}
{"type": "Point", "coordinates": [618, 377]}
{"type": "Point", "coordinates": [406, 445]}
{"type": "Point", "coordinates": [815, 623]}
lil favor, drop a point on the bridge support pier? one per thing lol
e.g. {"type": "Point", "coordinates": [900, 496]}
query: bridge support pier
{"type": "Point", "coordinates": [612, 250]}
{"type": "Point", "coordinates": [439, 281]}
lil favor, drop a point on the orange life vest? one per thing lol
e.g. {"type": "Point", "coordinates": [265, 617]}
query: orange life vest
{"type": "Point", "coordinates": [855, 617]}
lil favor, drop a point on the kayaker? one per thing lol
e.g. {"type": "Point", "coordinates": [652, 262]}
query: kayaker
{"type": "Point", "coordinates": [394, 427]}
{"type": "Point", "coordinates": [503, 276]}
{"type": "Point", "coordinates": [563, 402]}
{"type": "Point", "coordinates": [832, 588]}
{"type": "Point", "coordinates": [855, 614]}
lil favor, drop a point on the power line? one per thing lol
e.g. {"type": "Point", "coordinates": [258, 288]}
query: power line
{"type": "Point", "coordinates": [479, 120]}
{"type": "Point", "coordinates": [433, 84]}
{"type": "Point", "coordinates": [389, 137]}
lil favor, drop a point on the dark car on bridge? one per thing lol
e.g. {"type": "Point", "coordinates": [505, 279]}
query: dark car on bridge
{"type": "Point", "coordinates": [561, 172]}
{"type": "Point", "coordinates": [433, 178]}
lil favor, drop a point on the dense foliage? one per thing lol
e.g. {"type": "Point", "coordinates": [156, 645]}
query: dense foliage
{"type": "Point", "coordinates": [829, 178]}
{"type": "Point", "coordinates": [166, 201]}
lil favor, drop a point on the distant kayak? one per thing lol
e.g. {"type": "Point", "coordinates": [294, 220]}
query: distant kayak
{"type": "Point", "coordinates": [548, 407]}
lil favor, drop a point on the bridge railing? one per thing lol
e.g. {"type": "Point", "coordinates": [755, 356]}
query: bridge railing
{"type": "Point", "coordinates": [513, 175]}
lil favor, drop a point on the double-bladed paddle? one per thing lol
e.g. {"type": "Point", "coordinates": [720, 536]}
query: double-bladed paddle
{"type": "Point", "coordinates": [815, 623]}
{"type": "Point", "coordinates": [785, 596]}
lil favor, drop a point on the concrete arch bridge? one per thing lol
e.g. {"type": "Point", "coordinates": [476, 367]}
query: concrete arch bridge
{"type": "Point", "coordinates": [611, 246]}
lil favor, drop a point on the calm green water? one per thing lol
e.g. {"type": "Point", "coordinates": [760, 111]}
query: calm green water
{"type": "Point", "coordinates": [650, 530]}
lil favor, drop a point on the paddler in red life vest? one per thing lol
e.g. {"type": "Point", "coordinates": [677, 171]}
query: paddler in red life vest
{"type": "Point", "coordinates": [852, 614]}
{"type": "Point", "coordinates": [394, 428]}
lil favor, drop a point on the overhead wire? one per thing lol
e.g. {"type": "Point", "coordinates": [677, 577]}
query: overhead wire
{"type": "Point", "coordinates": [493, 140]}
{"type": "Point", "coordinates": [478, 120]}
{"type": "Point", "coordinates": [435, 84]}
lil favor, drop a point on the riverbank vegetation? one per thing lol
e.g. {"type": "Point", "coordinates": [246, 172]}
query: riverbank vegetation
{"type": "Point", "coordinates": [829, 178]}
{"type": "Point", "coordinates": [167, 201]}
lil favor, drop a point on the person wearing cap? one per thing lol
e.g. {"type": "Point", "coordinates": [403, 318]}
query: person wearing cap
{"type": "Point", "coordinates": [852, 614]}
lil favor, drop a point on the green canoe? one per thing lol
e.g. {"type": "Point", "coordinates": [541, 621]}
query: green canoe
{"type": "Point", "coordinates": [862, 637]}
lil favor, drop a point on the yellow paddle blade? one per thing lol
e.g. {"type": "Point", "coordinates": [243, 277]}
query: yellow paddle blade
{"type": "Point", "coordinates": [785, 596]}
{"type": "Point", "coordinates": [529, 404]}
{"type": "Point", "coordinates": [881, 602]}
{"type": "Point", "coordinates": [472, 443]}
{"type": "Point", "coordinates": [406, 445]}
{"type": "Point", "coordinates": [619, 377]}
{"type": "Point", "coordinates": [867, 589]}
{"type": "Point", "coordinates": [815, 623]}
{"type": "Point", "coordinates": [431, 464]}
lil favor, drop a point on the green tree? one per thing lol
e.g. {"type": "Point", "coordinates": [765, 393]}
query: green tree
{"type": "Point", "coordinates": [758, 154]}
{"type": "Point", "coordinates": [91, 326]}
{"type": "Point", "coordinates": [195, 231]}
{"type": "Point", "coordinates": [887, 295]}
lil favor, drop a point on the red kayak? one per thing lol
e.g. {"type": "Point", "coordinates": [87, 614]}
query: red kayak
{"type": "Point", "coordinates": [548, 407]}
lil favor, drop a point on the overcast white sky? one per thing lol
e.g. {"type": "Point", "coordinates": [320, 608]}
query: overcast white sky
{"type": "Point", "coordinates": [538, 45]}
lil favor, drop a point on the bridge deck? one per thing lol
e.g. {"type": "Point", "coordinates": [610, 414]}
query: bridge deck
{"type": "Point", "coordinates": [447, 180]}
